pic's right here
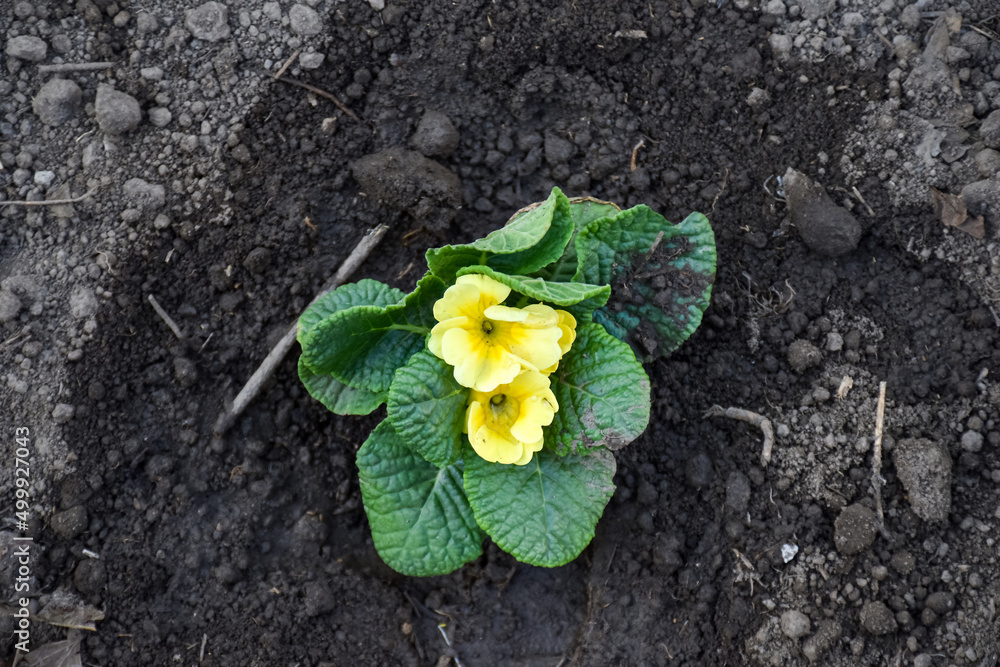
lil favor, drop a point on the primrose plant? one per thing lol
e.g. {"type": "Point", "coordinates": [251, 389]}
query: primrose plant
{"type": "Point", "coordinates": [511, 374]}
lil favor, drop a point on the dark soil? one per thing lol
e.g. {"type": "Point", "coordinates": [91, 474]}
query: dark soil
{"type": "Point", "coordinates": [255, 550]}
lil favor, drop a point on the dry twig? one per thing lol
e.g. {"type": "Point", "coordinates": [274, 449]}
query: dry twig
{"type": "Point", "coordinates": [166, 318]}
{"type": "Point", "coordinates": [270, 363]}
{"type": "Point", "coordinates": [48, 202]}
{"type": "Point", "coordinates": [635, 154]}
{"type": "Point", "coordinates": [321, 93]}
{"type": "Point", "coordinates": [725, 180]}
{"type": "Point", "coordinates": [751, 418]}
{"type": "Point", "coordinates": [877, 480]}
{"type": "Point", "coordinates": [73, 67]}
{"type": "Point", "coordinates": [288, 63]}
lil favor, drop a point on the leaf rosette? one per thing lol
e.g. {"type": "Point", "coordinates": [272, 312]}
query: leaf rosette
{"type": "Point", "coordinates": [511, 374]}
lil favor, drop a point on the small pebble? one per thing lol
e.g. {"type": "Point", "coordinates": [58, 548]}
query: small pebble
{"type": "Point", "coordinates": [27, 47]}
{"type": "Point", "coordinates": [116, 112]}
{"type": "Point", "coordinates": [57, 101]}
{"type": "Point", "coordinates": [209, 22]}
{"type": "Point", "coordinates": [877, 618]}
{"type": "Point", "coordinates": [304, 21]}
{"type": "Point", "coordinates": [795, 624]}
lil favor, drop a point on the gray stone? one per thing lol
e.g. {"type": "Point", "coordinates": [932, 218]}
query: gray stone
{"type": "Point", "coordinates": [304, 21]}
{"type": "Point", "coordinates": [854, 530]}
{"type": "Point", "coordinates": [941, 602]}
{"type": "Point", "coordinates": [775, 7]}
{"type": "Point", "coordinates": [70, 523]}
{"type": "Point", "coordinates": [816, 9]}
{"type": "Point", "coordinates": [27, 47]}
{"type": "Point", "coordinates": [90, 576]}
{"type": "Point", "coordinates": [781, 45]}
{"type": "Point", "coordinates": [319, 599]}
{"type": "Point", "coordinates": [877, 618]}
{"type": "Point", "coordinates": [557, 149]}
{"type": "Point", "coordinates": [311, 60]}
{"type": "Point", "coordinates": [990, 130]}
{"type": "Point", "coordinates": [827, 634]}
{"type": "Point", "coordinates": [983, 198]}
{"type": "Point", "coordinates": [795, 624]}
{"type": "Point", "coordinates": [161, 222]}
{"type": "Point", "coordinates": [10, 306]}
{"type": "Point", "coordinates": [826, 228]}
{"type": "Point", "coordinates": [185, 371]}
{"type": "Point", "coordinates": [436, 135]}
{"type": "Point", "coordinates": [63, 412]}
{"type": "Point", "coordinates": [145, 196]}
{"type": "Point", "coordinates": [257, 260]}
{"type": "Point", "coordinates": [57, 101]}
{"type": "Point", "coordinates": [972, 441]}
{"type": "Point", "coordinates": [924, 468]}
{"type": "Point", "coordinates": [209, 22]}
{"type": "Point", "coordinates": [802, 355]}
{"type": "Point", "coordinates": [910, 17]}
{"type": "Point", "coordinates": [988, 162]}
{"type": "Point", "coordinates": [698, 471]}
{"type": "Point", "coordinates": [45, 177]}
{"type": "Point", "coordinates": [117, 112]}
{"type": "Point", "coordinates": [923, 659]}
{"type": "Point", "coordinates": [83, 303]}
{"type": "Point", "coordinates": [160, 116]}
{"type": "Point", "coordinates": [408, 181]}
{"type": "Point", "coordinates": [272, 10]}
{"type": "Point", "coordinates": [834, 342]}
{"type": "Point", "coordinates": [737, 493]}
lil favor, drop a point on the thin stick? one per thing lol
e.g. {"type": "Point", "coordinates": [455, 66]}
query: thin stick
{"type": "Point", "coordinates": [725, 179]}
{"type": "Point", "coordinates": [74, 67]}
{"type": "Point", "coordinates": [270, 363]}
{"type": "Point", "coordinates": [742, 415]}
{"type": "Point", "coordinates": [201, 653]}
{"type": "Point", "coordinates": [166, 318]}
{"type": "Point", "coordinates": [48, 202]}
{"type": "Point", "coordinates": [321, 93]}
{"type": "Point", "coordinates": [635, 154]}
{"type": "Point", "coordinates": [288, 63]}
{"type": "Point", "coordinates": [877, 480]}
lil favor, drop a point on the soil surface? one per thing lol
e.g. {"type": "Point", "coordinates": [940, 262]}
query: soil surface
{"type": "Point", "coordinates": [230, 197]}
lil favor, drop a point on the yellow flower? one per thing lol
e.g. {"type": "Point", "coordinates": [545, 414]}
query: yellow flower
{"type": "Point", "coordinates": [567, 328]}
{"type": "Point", "coordinates": [505, 425]}
{"type": "Point", "coordinates": [487, 343]}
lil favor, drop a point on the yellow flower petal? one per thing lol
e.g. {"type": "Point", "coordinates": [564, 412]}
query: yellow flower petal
{"type": "Point", "coordinates": [529, 452]}
{"type": "Point", "coordinates": [475, 417]}
{"type": "Point", "coordinates": [506, 314]}
{"type": "Point", "coordinates": [493, 446]}
{"type": "Point", "coordinates": [488, 288]}
{"type": "Point", "coordinates": [542, 316]}
{"type": "Point", "coordinates": [567, 327]}
{"type": "Point", "coordinates": [434, 343]}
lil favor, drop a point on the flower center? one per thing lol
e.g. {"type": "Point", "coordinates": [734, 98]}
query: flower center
{"type": "Point", "coordinates": [487, 327]}
{"type": "Point", "coordinates": [498, 399]}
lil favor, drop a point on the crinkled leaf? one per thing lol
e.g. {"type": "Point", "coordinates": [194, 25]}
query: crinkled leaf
{"type": "Point", "coordinates": [364, 345]}
{"type": "Point", "coordinates": [583, 210]}
{"type": "Point", "coordinates": [420, 519]}
{"type": "Point", "coordinates": [336, 395]}
{"type": "Point", "coordinates": [603, 395]}
{"type": "Point", "coordinates": [65, 653]}
{"type": "Point", "coordinates": [427, 408]}
{"type": "Point", "coordinates": [529, 241]}
{"type": "Point", "coordinates": [580, 299]}
{"type": "Point", "coordinates": [660, 289]}
{"type": "Point", "coordinates": [365, 292]}
{"type": "Point", "coordinates": [543, 513]}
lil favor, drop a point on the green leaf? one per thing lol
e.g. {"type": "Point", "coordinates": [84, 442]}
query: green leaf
{"type": "Point", "coordinates": [336, 395]}
{"type": "Point", "coordinates": [421, 521]}
{"type": "Point", "coordinates": [661, 288]}
{"type": "Point", "coordinates": [364, 345]}
{"type": "Point", "coordinates": [427, 408]}
{"type": "Point", "coordinates": [583, 298]}
{"type": "Point", "coordinates": [529, 241]}
{"type": "Point", "coordinates": [365, 292]}
{"type": "Point", "coordinates": [603, 395]}
{"type": "Point", "coordinates": [583, 210]}
{"type": "Point", "coordinates": [543, 513]}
